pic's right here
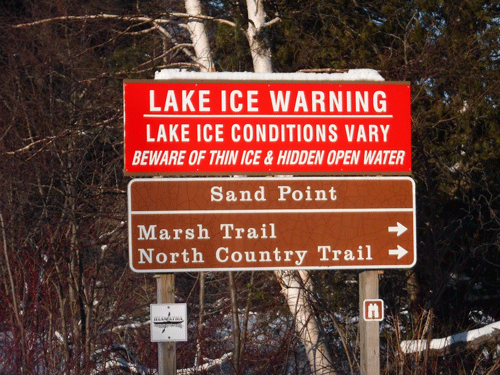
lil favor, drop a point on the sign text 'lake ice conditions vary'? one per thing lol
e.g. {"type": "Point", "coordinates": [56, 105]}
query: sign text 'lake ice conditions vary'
{"type": "Point", "coordinates": [227, 127]}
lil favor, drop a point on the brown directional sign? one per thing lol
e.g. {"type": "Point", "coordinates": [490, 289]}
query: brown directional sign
{"type": "Point", "coordinates": [186, 224]}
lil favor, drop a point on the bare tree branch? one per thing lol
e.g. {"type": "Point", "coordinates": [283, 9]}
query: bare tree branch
{"type": "Point", "coordinates": [272, 22]}
{"type": "Point", "coordinates": [131, 19]}
{"type": "Point", "coordinates": [156, 22]}
{"type": "Point", "coordinates": [88, 17]}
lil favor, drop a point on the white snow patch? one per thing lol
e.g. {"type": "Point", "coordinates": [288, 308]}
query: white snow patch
{"type": "Point", "coordinates": [350, 75]}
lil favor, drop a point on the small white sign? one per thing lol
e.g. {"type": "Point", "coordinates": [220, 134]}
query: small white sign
{"type": "Point", "coordinates": [373, 310]}
{"type": "Point", "coordinates": [168, 322]}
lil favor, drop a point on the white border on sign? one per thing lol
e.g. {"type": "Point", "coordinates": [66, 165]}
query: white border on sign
{"type": "Point", "coordinates": [236, 211]}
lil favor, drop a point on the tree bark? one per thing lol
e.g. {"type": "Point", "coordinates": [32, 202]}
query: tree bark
{"type": "Point", "coordinates": [204, 58]}
{"type": "Point", "coordinates": [236, 323]}
{"type": "Point", "coordinates": [15, 305]}
{"type": "Point", "coordinates": [246, 314]}
{"type": "Point", "coordinates": [294, 286]}
{"type": "Point", "coordinates": [201, 326]}
{"type": "Point", "coordinates": [199, 37]}
{"type": "Point", "coordinates": [259, 44]}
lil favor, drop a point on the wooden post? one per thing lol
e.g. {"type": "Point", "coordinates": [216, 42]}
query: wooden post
{"type": "Point", "coordinates": [369, 334]}
{"type": "Point", "coordinates": [165, 293]}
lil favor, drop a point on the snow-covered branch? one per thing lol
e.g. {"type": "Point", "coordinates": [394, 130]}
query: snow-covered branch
{"type": "Point", "coordinates": [167, 18]}
{"type": "Point", "coordinates": [90, 17]}
{"type": "Point", "coordinates": [466, 340]}
{"type": "Point", "coordinates": [203, 17]}
{"type": "Point", "coordinates": [212, 363]}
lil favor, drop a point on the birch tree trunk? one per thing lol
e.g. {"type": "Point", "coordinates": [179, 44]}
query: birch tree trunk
{"type": "Point", "coordinates": [204, 58]}
{"type": "Point", "coordinates": [294, 285]}
{"type": "Point", "coordinates": [199, 36]}
{"type": "Point", "coordinates": [259, 46]}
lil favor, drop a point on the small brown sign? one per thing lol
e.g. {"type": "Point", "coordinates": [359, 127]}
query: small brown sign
{"type": "Point", "coordinates": [189, 224]}
{"type": "Point", "coordinates": [373, 310]}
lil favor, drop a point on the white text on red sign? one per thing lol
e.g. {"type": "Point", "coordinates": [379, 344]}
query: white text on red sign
{"type": "Point", "coordinates": [173, 127]}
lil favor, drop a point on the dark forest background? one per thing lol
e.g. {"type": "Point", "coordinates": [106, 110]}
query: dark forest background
{"type": "Point", "coordinates": [69, 301]}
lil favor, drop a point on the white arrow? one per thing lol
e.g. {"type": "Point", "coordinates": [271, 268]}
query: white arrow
{"type": "Point", "coordinates": [400, 252]}
{"type": "Point", "coordinates": [399, 228]}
